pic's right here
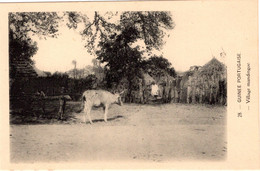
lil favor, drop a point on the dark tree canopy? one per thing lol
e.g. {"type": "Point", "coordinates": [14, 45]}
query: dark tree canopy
{"type": "Point", "coordinates": [125, 61]}
{"type": "Point", "coordinates": [158, 66]}
{"type": "Point", "coordinates": [22, 26]}
{"type": "Point", "coordinates": [121, 59]}
{"type": "Point", "coordinates": [26, 24]}
{"type": "Point", "coordinates": [21, 48]}
{"type": "Point", "coordinates": [150, 26]}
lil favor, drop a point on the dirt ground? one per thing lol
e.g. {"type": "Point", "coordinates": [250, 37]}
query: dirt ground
{"type": "Point", "coordinates": [158, 133]}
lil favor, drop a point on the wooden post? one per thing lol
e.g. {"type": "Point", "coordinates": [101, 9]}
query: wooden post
{"type": "Point", "coordinates": [188, 94]}
{"type": "Point", "coordinates": [62, 102]}
{"type": "Point", "coordinates": [193, 94]}
{"type": "Point", "coordinates": [141, 96]}
{"type": "Point", "coordinates": [176, 95]}
{"type": "Point", "coordinates": [42, 101]}
{"type": "Point", "coordinates": [201, 91]}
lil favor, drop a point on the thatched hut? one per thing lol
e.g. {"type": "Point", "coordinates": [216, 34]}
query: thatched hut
{"type": "Point", "coordinates": [206, 84]}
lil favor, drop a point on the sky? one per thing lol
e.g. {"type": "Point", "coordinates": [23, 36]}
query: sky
{"type": "Point", "coordinates": [202, 30]}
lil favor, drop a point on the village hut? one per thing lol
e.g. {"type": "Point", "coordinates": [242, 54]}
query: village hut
{"type": "Point", "coordinates": [22, 74]}
{"type": "Point", "coordinates": [166, 83]}
{"type": "Point", "coordinates": [216, 74]}
{"type": "Point", "coordinates": [206, 84]}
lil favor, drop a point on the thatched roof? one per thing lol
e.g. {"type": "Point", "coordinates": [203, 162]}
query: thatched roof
{"type": "Point", "coordinates": [214, 66]}
{"type": "Point", "coordinates": [22, 68]}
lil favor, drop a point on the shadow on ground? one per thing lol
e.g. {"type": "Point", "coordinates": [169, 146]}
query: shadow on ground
{"type": "Point", "coordinates": [108, 119]}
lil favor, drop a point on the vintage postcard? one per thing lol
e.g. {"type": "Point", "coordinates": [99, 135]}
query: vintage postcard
{"type": "Point", "coordinates": [130, 85]}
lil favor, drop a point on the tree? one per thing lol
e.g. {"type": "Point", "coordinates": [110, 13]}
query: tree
{"type": "Point", "coordinates": [24, 25]}
{"type": "Point", "coordinates": [150, 26]}
{"type": "Point", "coordinates": [74, 62]}
{"type": "Point", "coordinates": [48, 74]}
{"type": "Point", "coordinates": [172, 72]}
{"type": "Point", "coordinates": [60, 75]}
{"type": "Point", "coordinates": [110, 39]}
{"type": "Point", "coordinates": [121, 59]}
{"type": "Point", "coordinates": [98, 71]}
{"type": "Point", "coordinates": [124, 61]}
{"type": "Point", "coordinates": [157, 66]}
{"type": "Point", "coordinates": [20, 49]}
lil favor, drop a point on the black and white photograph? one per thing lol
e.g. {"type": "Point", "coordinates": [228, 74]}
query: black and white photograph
{"type": "Point", "coordinates": [116, 85]}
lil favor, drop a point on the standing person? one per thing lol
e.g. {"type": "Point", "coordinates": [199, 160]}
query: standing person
{"type": "Point", "coordinates": [42, 101]}
{"type": "Point", "coordinates": [189, 89]}
{"type": "Point", "coordinates": [62, 102]}
{"type": "Point", "coordinates": [155, 90]}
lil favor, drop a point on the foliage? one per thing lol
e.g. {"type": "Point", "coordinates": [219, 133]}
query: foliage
{"type": "Point", "coordinates": [98, 71]}
{"type": "Point", "coordinates": [151, 26]}
{"type": "Point", "coordinates": [20, 50]}
{"type": "Point", "coordinates": [25, 24]}
{"type": "Point", "coordinates": [22, 26]}
{"type": "Point", "coordinates": [48, 74]}
{"type": "Point", "coordinates": [172, 72]}
{"type": "Point", "coordinates": [115, 48]}
{"type": "Point", "coordinates": [158, 66]}
{"type": "Point", "coordinates": [121, 59]}
{"type": "Point", "coordinates": [60, 75]}
{"type": "Point", "coordinates": [95, 69]}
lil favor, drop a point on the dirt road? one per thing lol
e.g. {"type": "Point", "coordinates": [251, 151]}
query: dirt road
{"type": "Point", "coordinates": [133, 132]}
